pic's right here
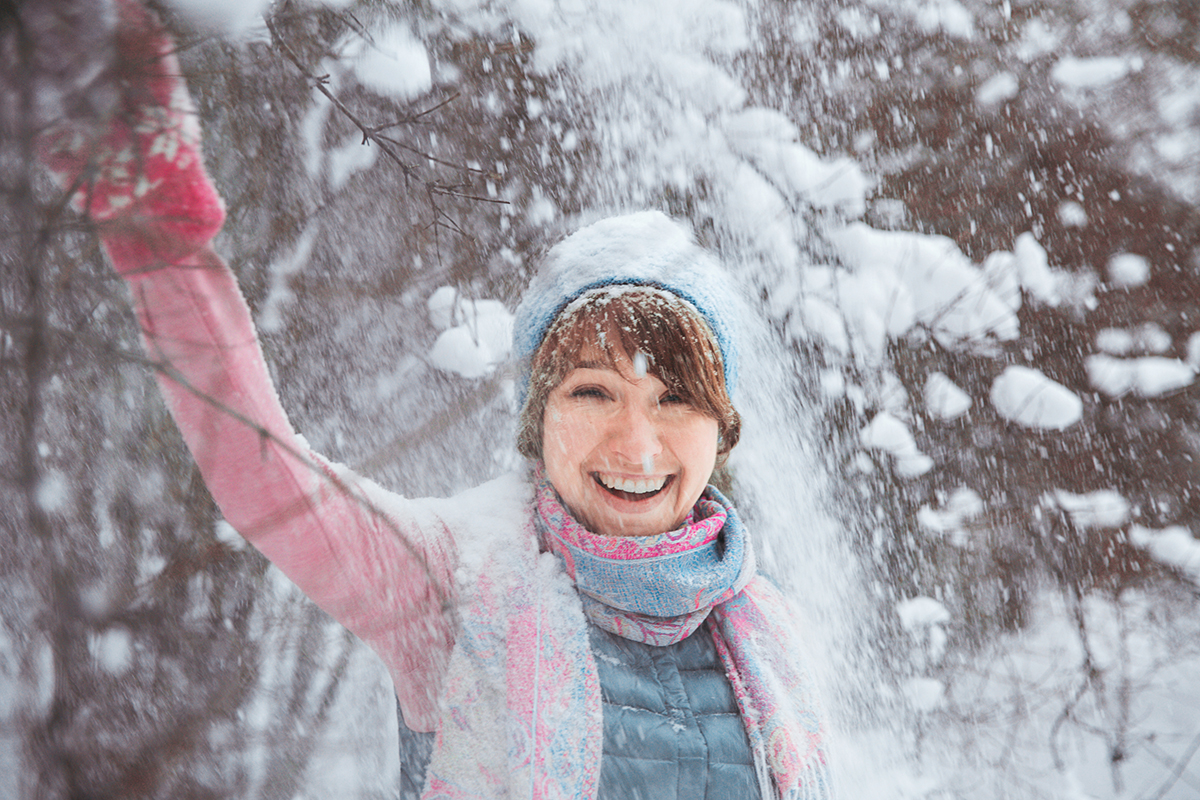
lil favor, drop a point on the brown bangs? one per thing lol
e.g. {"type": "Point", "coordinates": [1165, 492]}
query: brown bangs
{"type": "Point", "coordinates": [608, 324]}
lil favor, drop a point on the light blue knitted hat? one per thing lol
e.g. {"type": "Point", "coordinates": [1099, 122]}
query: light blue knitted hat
{"type": "Point", "coordinates": [646, 249]}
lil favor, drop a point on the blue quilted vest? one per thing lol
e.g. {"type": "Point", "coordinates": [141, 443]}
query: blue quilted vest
{"type": "Point", "coordinates": [671, 725]}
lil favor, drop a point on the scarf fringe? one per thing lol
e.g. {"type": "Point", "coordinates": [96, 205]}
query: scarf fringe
{"type": "Point", "coordinates": [815, 781]}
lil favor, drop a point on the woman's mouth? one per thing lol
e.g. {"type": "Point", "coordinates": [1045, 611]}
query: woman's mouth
{"type": "Point", "coordinates": [631, 488]}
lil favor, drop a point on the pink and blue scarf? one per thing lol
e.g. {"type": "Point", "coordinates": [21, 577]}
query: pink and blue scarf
{"type": "Point", "coordinates": [521, 698]}
{"type": "Point", "coordinates": [652, 589]}
{"type": "Point", "coordinates": [659, 589]}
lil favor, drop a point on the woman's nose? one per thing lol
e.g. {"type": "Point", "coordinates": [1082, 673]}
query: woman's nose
{"type": "Point", "coordinates": [635, 435]}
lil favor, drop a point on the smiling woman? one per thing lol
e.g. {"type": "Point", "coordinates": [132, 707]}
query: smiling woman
{"type": "Point", "coordinates": [628, 409]}
{"type": "Point", "coordinates": [628, 456]}
{"type": "Point", "coordinates": [591, 627]}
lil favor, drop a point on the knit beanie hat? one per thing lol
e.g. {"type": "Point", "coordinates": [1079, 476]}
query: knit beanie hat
{"type": "Point", "coordinates": [642, 249]}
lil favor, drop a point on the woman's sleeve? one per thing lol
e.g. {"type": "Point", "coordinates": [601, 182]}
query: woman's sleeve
{"type": "Point", "coordinates": [379, 564]}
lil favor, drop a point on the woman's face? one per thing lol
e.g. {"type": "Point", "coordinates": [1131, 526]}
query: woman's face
{"type": "Point", "coordinates": [627, 457]}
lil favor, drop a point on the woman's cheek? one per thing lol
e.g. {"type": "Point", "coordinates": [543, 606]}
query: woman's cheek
{"type": "Point", "coordinates": [559, 437]}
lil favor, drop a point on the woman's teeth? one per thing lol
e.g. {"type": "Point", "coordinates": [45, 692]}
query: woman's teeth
{"type": "Point", "coordinates": [640, 486]}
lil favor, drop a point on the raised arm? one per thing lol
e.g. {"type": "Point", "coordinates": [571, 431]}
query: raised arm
{"type": "Point", "coordinates": [380, 565]}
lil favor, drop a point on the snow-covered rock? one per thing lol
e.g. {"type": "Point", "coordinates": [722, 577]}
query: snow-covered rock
{"type": "Point", "coordinates": [1100, 509]}
{"type": "Point", "coordinates": [1174, 546]}
{"type": "Point", "coordinates": [1149, 376]}
{"type": "Point", "coordinates": [1128, 270]}
{"type": "Point", "coordinates": [925, 279]}
{"type": "Point", "coordinates": [1027, 397]}
{"type": "Point", "coordinates": [393, 63]}
{"type": "Point", "coordinates": [887, 433]}
{"type": "Point", "coordinates": [1090, 73]}
{"type": "Point", "coordinates": [476, 335]}
{"type": "Point", "coordinates": [943, 399]}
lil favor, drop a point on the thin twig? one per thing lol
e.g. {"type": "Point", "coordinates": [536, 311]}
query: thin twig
{"type": "Point", "coordinates": [414, 118]}
{"type": "Point", "coordinates": [1177, 772]}
{"type": "Point", "coordinates": [435, 159]}
{"type": "Point", "coordinates": [319, 83]}
{"type": "Point", "coordinates": [390, 146]}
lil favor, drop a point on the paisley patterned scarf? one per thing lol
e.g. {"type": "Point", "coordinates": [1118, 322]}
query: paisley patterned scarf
{"type": "Point", "coordinates": [525, 631]}
{"type": "Point", "coordinates": [652, 589]}
{"type": "Point", "coordinates": [659, 589]}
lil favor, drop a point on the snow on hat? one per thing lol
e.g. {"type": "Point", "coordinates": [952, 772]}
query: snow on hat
{"type": "Point", "coordinates": [643, 249]}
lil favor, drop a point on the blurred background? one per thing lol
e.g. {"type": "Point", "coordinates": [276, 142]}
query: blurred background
{"type": "Point", "coordinates": [969, 236]}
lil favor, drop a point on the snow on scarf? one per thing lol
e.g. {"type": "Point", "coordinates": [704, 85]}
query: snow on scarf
{"type": "Point", "coordinates": [523, 715]}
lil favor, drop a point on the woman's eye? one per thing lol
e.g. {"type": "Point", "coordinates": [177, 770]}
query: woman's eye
{"type": "Point", "coordinates": [588, 392]}
{"type": "Point", "coordinates": [670, 398]}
